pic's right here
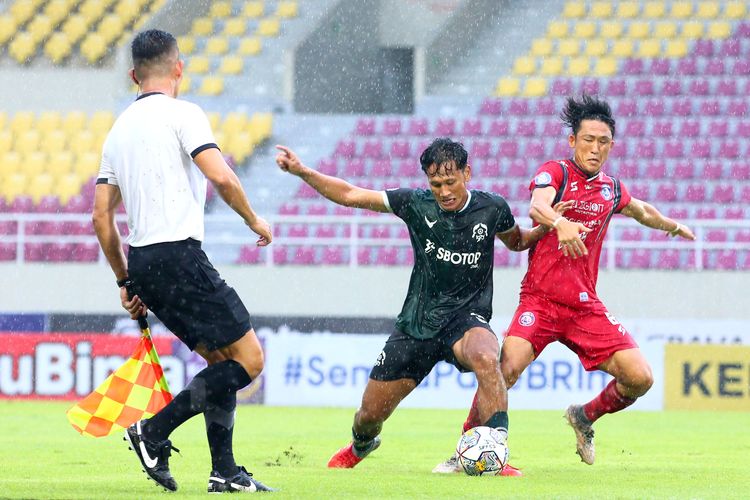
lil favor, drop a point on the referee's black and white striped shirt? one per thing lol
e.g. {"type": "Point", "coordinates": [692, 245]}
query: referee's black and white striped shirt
{"type": "Point", "coordinates": [149, 154]}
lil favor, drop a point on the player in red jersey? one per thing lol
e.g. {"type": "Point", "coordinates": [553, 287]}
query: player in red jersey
{"type": "Point", "coordinates": [558, 299]}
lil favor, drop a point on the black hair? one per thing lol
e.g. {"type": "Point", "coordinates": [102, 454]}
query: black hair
{"type": "Point", "coordinates": [151, 47]}
{"type": "Point", "coordinates": [442, 152]}
{"type": "Point", "coordinates": [587, 108]}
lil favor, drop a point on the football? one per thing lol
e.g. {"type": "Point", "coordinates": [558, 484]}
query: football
{"type": "Point", "coordinates": [482, 451]}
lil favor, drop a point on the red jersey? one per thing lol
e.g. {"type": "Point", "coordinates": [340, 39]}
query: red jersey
{"type": "Point", "coordinates": [552, 275]}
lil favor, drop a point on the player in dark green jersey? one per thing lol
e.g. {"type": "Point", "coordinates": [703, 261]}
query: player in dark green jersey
{"type": "Point", "coordinates": [449, 303]}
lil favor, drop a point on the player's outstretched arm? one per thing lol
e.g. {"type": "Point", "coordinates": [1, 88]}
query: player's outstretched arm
{"type": "Point", "coordinates": [335, 189]}
{"type": "Point", "coordinates": [211, 162]}
{"type": "Point", "coordinates": [518, 239]}
{"type": "Point", "coordinates": [568, 232]}
{"type": "Point", "coordinates": [649, 216]}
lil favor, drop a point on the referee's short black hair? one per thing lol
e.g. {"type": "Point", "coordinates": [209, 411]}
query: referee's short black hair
{"type": "Point", "coordinates": [443, 152]}
{"type": "Point", "coordinates": [586, 108]}
{"type": "Point", "coordinates": [152, 47]}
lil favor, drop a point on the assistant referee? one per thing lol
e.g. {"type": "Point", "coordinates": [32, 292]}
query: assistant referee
{"type": "Point", "coordinates": [156, 160]}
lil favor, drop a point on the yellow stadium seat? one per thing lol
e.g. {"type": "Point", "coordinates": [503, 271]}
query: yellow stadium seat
{"type": "Point", "coordinates": [68, 186]}
{"type": "Point", "coordinates": [584, 29]}
{"type": "Point", "coordinates": [574, 10]}
{"type": "Point", "coordinates": [654, 10]}
{"type": "Point", "coordinates": [203, 26]}
{"type": "Point", "coordinates": [568, 47]}
{"type": "Point", "coordinates": [128, 9]}
{"type": "Point", "coordinates": [57, 47]}
{"type": "Point", "coordinates": [198, 65]}
{"type": "Point", "coordinates": [649, 48]}
{"type": "Point", "coordinates": [708, 10]}
{"type": "Point", "coordinates": [524, 65]}
{"type": "Point", "coordinates": [22, 48]}
{"type": "Point", "coordinates": [75, 27]}
{"type": "Point", "coordinates": [508, 87]}
{"type": "Point", "coordinates": [681, 10]}
{"type": "Point", "coordinates": [269, 26]}
{"type": "Point", "coordinates": [541, 47]}
{"type": "Point", "coordinates": [677, 48]}
{"type": "Point", "coordinates": [719, 29]}
{"type": "Point", "coordinates": [39, 27]}
{"type": "Point", "coordinates": [253, 10]}
{"type": "Point", "coordinates": [92, 10]}
{"type": "Point", "coordinates": [535, 87]}
{"type": "Point", "coordinates": [551, 66]}
{"type": "Point", "coordinates": [692, 29]}
{"type": "Point", "coordinates": [93, 47]}
{"type": "Point", "coordinates": [610, 29]}
{"type": "Point", "coordinates": [27, 142]}
{"type": "Point", "coordinates": [13, 186]}
{"type": "Point", "coordinates": [627, 10]}
{"type": "Point", "coordinates": [217, 46]}
{"type": "Point", "coordinates": [101, 121]}
{"type": "Point", "coordinates": [622, 48]}
{"type": "Point", "coordinates": [60, 163]}
{"type": "Point", "coordinates": [601, 10]}
{"type": "Point", "coordinates": [231, 65]}
{"type": "Point", "coordinates": [40, 186]}
{"type": "Point", "coordinates": [10, 162]}
{"type": "Point", "coordinates": [22, 121]}
{"type": "Point", "coordinates": [287, 10]}
{"type": "Point", "coordinates": [735, 10]}
{"type": "Point", "coordinates": [235, 26]}
{"type": "Point", "coordinates": [87, 164]}
{"type": "Point", "coordinates": [22, 11]}
{"type": "Point", "coordinates": [240, 146]}
{"type": "Point", "coordinates": [261, 126]}
{"type": "Point", "coordinates": [81, 142]}
{"type": "Point", "coordinates": [214, 119]}
{"type": "Point", "coordinates": [185, 84]}
{"type": "Point", "coordinates": [74, 122]}
{"type": "Point", "coordinates": [638, 29]}
{"type": "Point", "coordinates": [250, 46]}
{"type": "Point", "coordinates": [211, 85]}
{"type": "Point", "coordinates": [596, 47]}
{"type": "Point", "coordinates": [186, 44]}
{"type": "Point", "coordinates": [8, 28]}
{"type": "Point", "coordinates": [220, 9]}
{"type": "Point", "coordinates": [578, 66]}
{"type": "Point", "coordinates": [221, 139]}
{"type": "Point", "coordinates": [111, 27]}
{"type": "Point", "coordinates": [605, 66]}
{"type": "Point", "coordinates": [234, 122]}
{"type": "Point", "coordinates": [6, 140]}
{"type": "Point", "coordinates": [34, 163]}
{"type": "Point", "coordinates": [3, 120]}
{"type": "Point", "coordinates": [557, 29]}
{"type": "Point", "coordinates": [665, 29]}
{"type": "Point", "coordinates": [48, 121]}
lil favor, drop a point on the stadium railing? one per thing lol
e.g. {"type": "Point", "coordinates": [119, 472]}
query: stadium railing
{"type": "Point", "coordinates": [19, 231]}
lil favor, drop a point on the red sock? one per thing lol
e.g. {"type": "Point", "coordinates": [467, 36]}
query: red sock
{"type": "Point", "coordinates": [608, 401]}
{"type": "Point", "coordinates": [473, 419]}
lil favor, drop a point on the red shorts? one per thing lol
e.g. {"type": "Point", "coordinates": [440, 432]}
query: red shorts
{"type": "Point", "coordinates": [593, 334]}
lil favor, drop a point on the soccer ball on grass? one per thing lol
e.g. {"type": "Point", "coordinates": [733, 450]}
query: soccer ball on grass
{"type": "Point", "coordinates": [482, 451]}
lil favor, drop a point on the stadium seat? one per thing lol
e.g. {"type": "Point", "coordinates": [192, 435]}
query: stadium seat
{"type": "Point", "coordinates": [541, 47]}
{"type": "Point", "coordinates": [681, 10]}
{"type": "Point", "coordinates": [269, 27]}
{"type": "Point", "coordinates": [203, 26]}
{"type": "Point", "coordinates": [253, 10]}
{"type": "Point", "coordinates": [217, 46]}
{"type": "Point", "coordinates": [735, 10]}
{"type": "Point", "coordinates": [287, 9]}
{"type": "Point", "coordinates": [601, 10]}
{"type": "Point", "coordinates": [220, 9]}
{"type": "Point", "coordinates": [654, 10]}
{"type": "Point", "coordinates": [551, 66]}
{"type": "Point", "coordinates": [610, 30]}
{"type": "Point", "coordinates": [93, 47]}
{"type": "Point", "coordinates": [198, 65]}
{"type": "Point", "coordinates": [231, 65]}
{"type": "Point", "coordinates": [249, 46]}
{"type": "Point", "coordinates": [535, 87]}
{"type": "Point", "coordinates": [22, 47]}
{"type": "Point", "coordinates": [708, 10]}
{"type": "Point", "coordinates": [584, 29]}
{"type": "Point", "coordinates": [235, 27]}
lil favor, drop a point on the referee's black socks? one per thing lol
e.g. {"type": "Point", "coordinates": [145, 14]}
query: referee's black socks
{"type": "Point", "coordinates": [210, 386]}
{"type": "Point", "coordinates": [219, 428]}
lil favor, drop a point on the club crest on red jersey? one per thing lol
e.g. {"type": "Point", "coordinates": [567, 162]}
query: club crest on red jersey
{"type": "Point", "coordinates": [606, 193]}
{"type": "Point", "coordinates": [527, 319]}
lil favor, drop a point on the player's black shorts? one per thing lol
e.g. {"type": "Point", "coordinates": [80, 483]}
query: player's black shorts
{"type": "Point", "coordinates": [178, 283]}
{"type": "Point", "coordinates": [407, 357]}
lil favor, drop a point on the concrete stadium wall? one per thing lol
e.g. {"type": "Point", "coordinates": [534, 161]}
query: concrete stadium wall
{"type": "Point", "coordinates": [374, 292]}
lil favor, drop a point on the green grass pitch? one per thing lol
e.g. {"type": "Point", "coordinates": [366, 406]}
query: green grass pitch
{"type": "Point", "coordinates": [639, 455]}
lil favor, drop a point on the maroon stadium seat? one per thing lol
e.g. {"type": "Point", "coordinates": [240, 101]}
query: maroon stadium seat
{"type": "Point", "coordinates": [491, 107]}
{"type": "Point", "coordinates": [498, 128]}
{"type": "Point", "coordinates": [471, 127]}
{"type": "Point", "coordinates": [695, 193]}
{"type": "Point", "coordinates": [365, 126]}
{"type": "Point", "coordinates": [333, 256]}
{"type": "Point", "coordinates": [445, 127]}
{"type": "Point", "coordinates": [392, 126]}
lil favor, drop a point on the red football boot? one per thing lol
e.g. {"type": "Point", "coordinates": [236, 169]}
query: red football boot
{"type": "Point", "coordinates": [345, 458]}
{"type": "Point", "coordinates": [509, 470]}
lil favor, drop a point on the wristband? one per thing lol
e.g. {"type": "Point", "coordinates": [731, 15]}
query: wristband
{"type": "Point", "coordinates": [123, 282]}
{"type": "Point", "coordinates": [554, 224]}
{"type": "Point", "coordinates": [676, 230]}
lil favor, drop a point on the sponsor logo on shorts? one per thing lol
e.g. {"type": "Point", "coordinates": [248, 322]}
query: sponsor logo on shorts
{"type": "Point", "coordinates": [479, 232]}
{"type": "Point", "coordinates": [606, 193]}
{"type": "Point", "coordinates": [480, 318]}
{"type": "Point", "coordinates": [583, 296]}
{"type": "Point", "coordinates": [381, 359]}
{"type": "Point", "coordinates": [543, 179]}
{"type": "Point", "coordinates": [527, 319]}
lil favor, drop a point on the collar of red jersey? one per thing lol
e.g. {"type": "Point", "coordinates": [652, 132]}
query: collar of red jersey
{"type": "Point", "coordinates": [583, 172]}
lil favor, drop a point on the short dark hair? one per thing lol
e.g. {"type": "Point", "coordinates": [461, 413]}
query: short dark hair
{"type": "Point", "coordinates": [151, 47]}
{"type": "Point", "coordinates": [587, 108]}
{"type": "Point", "coordinates": [443, 151]}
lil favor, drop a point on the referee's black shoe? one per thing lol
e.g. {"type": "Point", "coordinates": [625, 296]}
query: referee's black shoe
{"type": "Point", "coordinates": [154, 456]}
{"type": "Point", "coordinates": [242, 481]}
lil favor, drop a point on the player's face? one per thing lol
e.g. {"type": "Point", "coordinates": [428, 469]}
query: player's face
{"type": "Point", "coordinates": [448, 185]}
{"type": "Point", "coordinates": [591, 144]}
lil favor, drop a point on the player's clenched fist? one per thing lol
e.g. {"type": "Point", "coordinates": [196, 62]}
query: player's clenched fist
{"type": "Point", "coordinates": [288, 161]}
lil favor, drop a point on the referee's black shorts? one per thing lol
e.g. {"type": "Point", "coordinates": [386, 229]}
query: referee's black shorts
{"type": "Point", "coordinates": [178, 283]}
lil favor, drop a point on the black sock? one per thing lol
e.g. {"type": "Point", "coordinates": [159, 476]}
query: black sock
{"type": "Point", "coordinates": [211, 384]}
{"type": "Point", "coordinates": [219, 418]}
{"type": "Point", "coordinates": [361, 442]}
{"type": "Point", "coordinates": [499, 421]}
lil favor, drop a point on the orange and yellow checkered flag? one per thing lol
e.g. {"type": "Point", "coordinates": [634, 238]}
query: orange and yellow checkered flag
{"type": "Point", "coordinates": [136, 390]}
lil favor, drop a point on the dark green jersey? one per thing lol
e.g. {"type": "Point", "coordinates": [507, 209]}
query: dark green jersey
{"type": "Point", "coordinates": [453, 257]}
